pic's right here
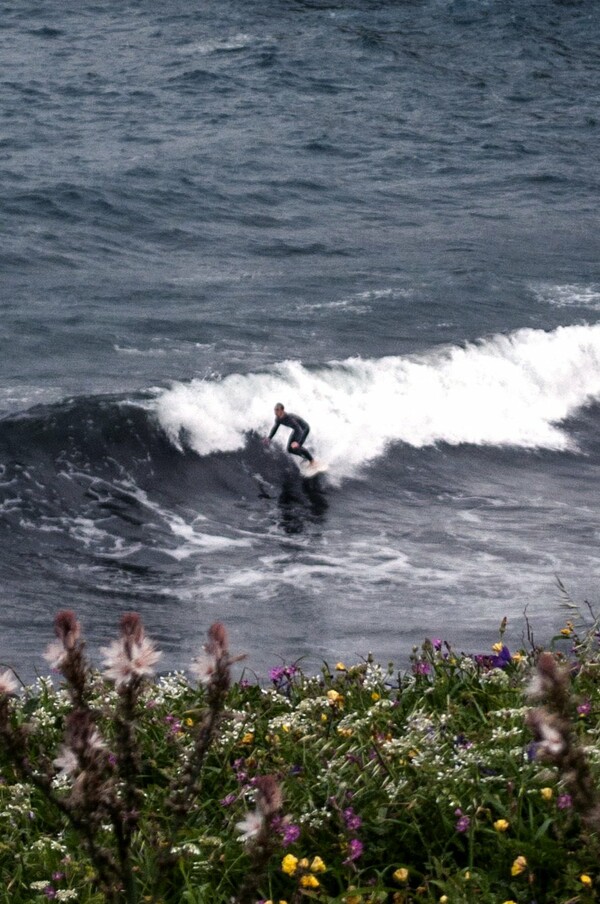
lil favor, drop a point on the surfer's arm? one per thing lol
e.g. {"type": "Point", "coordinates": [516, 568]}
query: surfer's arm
{"type": "Point", "coordinates": [274, 430]}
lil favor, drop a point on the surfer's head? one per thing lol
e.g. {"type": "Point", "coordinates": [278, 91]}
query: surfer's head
{"type": "Point", "coordinates": [279, 409]}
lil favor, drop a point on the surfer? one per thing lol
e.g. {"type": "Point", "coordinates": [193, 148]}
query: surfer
{"type": "Point", "coordinates": [299, 428]}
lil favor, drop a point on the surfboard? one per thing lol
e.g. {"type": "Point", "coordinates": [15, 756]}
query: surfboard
{"type": "Point", "coordinates": [313, 468]}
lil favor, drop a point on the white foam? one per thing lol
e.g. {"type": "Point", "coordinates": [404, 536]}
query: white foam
{"type": "Point", "coordinates": [569, 295]}
{"type": "Point", "coordinates": [512, 390]}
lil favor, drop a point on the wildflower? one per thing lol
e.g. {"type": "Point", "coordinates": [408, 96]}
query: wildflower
{"type": "Point", "coordinates": [501, 825]}
{"type": "Point", "coordinates": [567, 630]}
{"type": "Point", "coordinates": [463, 824]}
{"type": "Point", "coordinates": [585, 880]}
{"type": "Point", "coordinates": [564, 802]}
{"type": "Point", "coordinates": [335, 698]}
{"type": "Point", "coordinates": [8, 684]}
{"type": "Point", "coordinates": [517, 657]}
{"type": "Point", "coordinates": [421, 668]}
{"type": "Point", "coordinates": [401, 874]}
{"type": "Point", "coordinates": [290, 834]}
{"type": "Point", "coordinates": [131, 657]}
{"type": "Point", "coordinates": [375, 696]}
{"type": "Point", "coordinates": [352, 899]}
{"type": "Point", "coordinates": [66, 762]}
{"type": "Point", "coordinates": [228, 800]}
{"type": "Point", "coordinates": [355, 849]}
{"type": "Point", "coordinates": [547, 793]}
{"type": "Point", "coordinates": [309, 882]}
{"type": "Point", "coordinates": [497, 647]}
{"type": "Point", "coordinates": [519, 866]}
{"type": "Point", "coordinates": [584, 709]}
{"type": "Point", "coordinates": [250, 826]}
{"type": "Point", "coordinates": [502, 657]}
{"type": "Point", "coordinates": [352, 820]}
{"type": "Point", "coordinates": [444, 899]}
{"type": "Point", "coordinates": [317, 865]}
{"type": "Point", "coordinates": [289, 864]}
{"type": "Point", "coordinates": [247, 738]}
{"type": "Point", "coordinates": [340, 667]}
{"type": "Point", "coordinates": [436, 643]}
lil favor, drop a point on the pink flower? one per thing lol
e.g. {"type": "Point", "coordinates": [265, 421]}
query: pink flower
{"type": "Point", "coordinates": [355, 849]}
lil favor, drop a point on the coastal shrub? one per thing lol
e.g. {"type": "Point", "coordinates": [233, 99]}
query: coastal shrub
{"type": "Point", "coordinates": [463, 778]}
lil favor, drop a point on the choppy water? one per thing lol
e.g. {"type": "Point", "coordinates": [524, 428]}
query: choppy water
{"type": "Point", "coordinates": [383, 214]}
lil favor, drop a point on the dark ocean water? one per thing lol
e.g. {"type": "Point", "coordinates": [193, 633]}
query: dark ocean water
{"type": "Point", "coordinates": [384, 214]}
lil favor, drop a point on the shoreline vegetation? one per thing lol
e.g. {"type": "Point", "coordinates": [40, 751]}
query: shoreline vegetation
{"type": "Point", "coordinates": [467, 777]}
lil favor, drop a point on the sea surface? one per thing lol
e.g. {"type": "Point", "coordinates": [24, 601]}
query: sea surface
{"type": "Point", "coordinates": [383, 213]}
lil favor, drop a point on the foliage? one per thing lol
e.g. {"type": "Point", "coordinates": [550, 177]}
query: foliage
{"type": "Point", "coordinates": [358, 785]}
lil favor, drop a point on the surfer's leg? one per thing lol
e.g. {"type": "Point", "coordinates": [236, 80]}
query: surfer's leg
{"type": "Point", "coordinates": [299, 450]}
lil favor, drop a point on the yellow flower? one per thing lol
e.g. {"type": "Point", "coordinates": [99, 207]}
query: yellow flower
{"type": "Point", "coordinates": [289, 864]}
{"type": "Point", "coordinates": [375, 696]}
{"type": "Point", "coordinates": [585, 880]}
{"type": "Point", "coordinates": [401, 874]}
{"type": "Point", "coordinates": [444, 899]}
{"type": "Point", "coordinates": [352, 899]}
{"type": "Point", "coordinates": [509, 902]}
{"type": "Point", "coordinates": [467, 875]}
{"type": "Point", "coordinates": [567, 630]}
{"type": "Point", "coordinates": [317, 865]}
{"type": "Point", "coordinates": [335, 697]}
{"type": "Point", "coordinates": [519, 866]}
{"type": "Point", "coordinates": [517, 657]}
{"type": "Point", "coordinates": [340, 667]}
{"type": "Point", "coordinates": [345, 732]}
{"type": "Point", "coordinates": [547, 793]}
{"type": "Point", "coordinates": [303, 864]}
{"type": "Point", "coordinates": [248, 738]}
{"type": "Point", "coordinates": [309, 882]}
{"type": "Point", "coordinates": [497, 647]}
{"type": "Point", "coordinates": [501, 825]}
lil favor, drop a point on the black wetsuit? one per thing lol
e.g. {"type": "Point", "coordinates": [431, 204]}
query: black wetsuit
{"type": "Point", "coordinates": [300, 431]}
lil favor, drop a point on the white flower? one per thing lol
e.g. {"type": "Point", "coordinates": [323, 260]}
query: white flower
{"type": "Point", "coordinates": [250, 826]}
{"type": "Point", "coordinates": [66, 762]}
{"type": "Point", "coordinates": [8, 684]}
{"type": "Point", "coordinates": [55, 654]}
{"type": "Point", "coordinates": [125, 661]}
{"type": "Point", "coordinates": [552, 741]}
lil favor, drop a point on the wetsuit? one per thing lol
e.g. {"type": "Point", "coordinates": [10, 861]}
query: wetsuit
{"type": "Point", "coordinates": [300, 431]}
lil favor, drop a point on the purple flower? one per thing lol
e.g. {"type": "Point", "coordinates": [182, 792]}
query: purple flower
{"type": "Point", "coordinates": [585, 708]}
{"type": "Point", "coordinates": [50, 891]}
{"type": "Point", "coordinates": [355, 849]}
{"type": "Point", "coordinates": [436, 643]}
{"type": "Point", "coordinates": [502, 659]}
{"type": "Point", "coordinates": [352, 820]}
{"type": "Point", "coordinates": [289, 834]}
{"type": "Point", "coordinates": [56, 877]}
{"type": "Point", "coordinates": [421, 667]}
{"type": "Point", "coordinates": [564, 802]}
{"type": "Point", "coordinates": [228, 800]}
{"type": "Point", "coordinates": [463, 824]}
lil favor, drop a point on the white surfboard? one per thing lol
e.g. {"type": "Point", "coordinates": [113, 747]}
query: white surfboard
{"type": "Point", "coordinates": [313, 468]}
